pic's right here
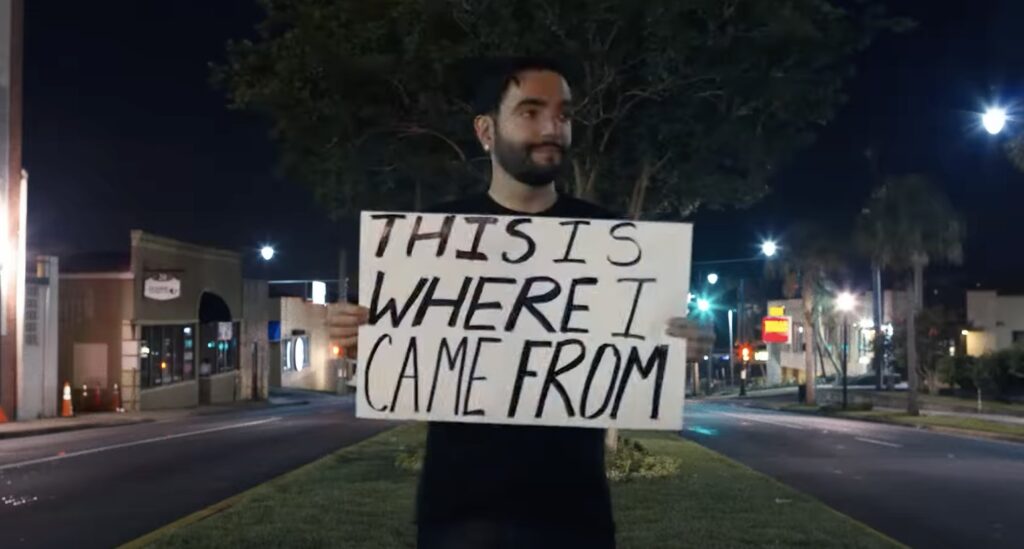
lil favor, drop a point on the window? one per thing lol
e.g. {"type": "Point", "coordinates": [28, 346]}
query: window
{"type": "Point", "coordinates": [296, 353]}
{"type": "Point", "coordinates": [1018, 336]}
{"type": "Point", "coordinates": [219, 353]}
{"type": "Point", "coordinates": [166, 355]}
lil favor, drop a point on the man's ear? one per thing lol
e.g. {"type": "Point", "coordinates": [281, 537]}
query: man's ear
{"type": "Point", "coordinates": [483, 125]}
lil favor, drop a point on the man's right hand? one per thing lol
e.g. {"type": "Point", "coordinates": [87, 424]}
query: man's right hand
{"type": "Point", "coordinates": [348, 321]}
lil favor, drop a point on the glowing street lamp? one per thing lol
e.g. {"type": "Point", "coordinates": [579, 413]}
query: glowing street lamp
{"type": "Point", "coordinates": [994, 120]}
{"type": "Point", "coordinates": [769, 248]}
{"type": "Point", "coordinates": [267, 253]}
{"type": "Point", "coordinates": [713, 278]}
{"type": "Point", "coordinates": [845, 302]}
{"type": "Point", "coordinates": [703, 304]}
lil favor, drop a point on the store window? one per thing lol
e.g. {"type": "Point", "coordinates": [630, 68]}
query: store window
{"type": "Point", "coordinates": [166, 355]}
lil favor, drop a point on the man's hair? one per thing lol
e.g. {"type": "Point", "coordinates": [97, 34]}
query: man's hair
{"type": "Point", "coordinates": [492, 77]}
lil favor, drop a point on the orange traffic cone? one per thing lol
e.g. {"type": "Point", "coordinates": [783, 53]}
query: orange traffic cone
{"type": "Point", "coordinates": [65, 408]}
{"type": "Point", "coordinates": [117, 399]}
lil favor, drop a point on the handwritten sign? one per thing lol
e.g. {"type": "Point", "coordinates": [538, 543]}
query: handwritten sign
{"type": "Point", "coordinates": [522, 320]}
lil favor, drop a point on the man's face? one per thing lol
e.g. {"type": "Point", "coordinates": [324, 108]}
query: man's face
{"type": "Point", "coordinates": [533, 131]}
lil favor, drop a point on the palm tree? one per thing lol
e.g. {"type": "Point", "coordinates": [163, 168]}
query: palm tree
{"type": "Point", "coordinates": [906, 225]}
{"type": "Point", "coordinates": [811, 258]}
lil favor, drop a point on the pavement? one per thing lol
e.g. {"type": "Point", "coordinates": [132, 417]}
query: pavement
{"type": "Point", "coordinates": [923, 488]}
{"type": "Point", "coordinates": [104, 487]}
{"type": "Point", "coordinates": [95, 420]}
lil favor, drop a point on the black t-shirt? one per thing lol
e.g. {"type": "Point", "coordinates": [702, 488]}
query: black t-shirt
{"type": "Point", "coordinates": [517, 473]}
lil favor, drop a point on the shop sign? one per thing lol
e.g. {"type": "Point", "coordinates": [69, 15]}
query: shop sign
{"type": "Point", "coordinates": [162, 287]}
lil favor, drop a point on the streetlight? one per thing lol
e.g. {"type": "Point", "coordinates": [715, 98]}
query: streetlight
{"type": "Point", "coordinates": [994, 120]}
{"type": "Point", "coordinates": [712, 278]}
{"type": "Point", "coordinates": [845, 303]}
{"type": "Point", "coordinates": [267, 253]}
{"type": "Point", "coordinates": [769, 248]}
{"type": "Point", "coordinates": [703, 304]}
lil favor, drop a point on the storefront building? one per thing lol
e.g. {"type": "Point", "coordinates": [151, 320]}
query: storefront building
{"type": "Point", "coordinates": [164, 328]}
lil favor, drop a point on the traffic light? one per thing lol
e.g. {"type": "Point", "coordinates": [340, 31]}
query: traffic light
{"type": "Point", "coordinates": [745, 353]}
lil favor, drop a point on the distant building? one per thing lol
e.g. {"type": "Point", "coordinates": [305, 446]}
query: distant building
{"type": "Point", "coordinates": [786, 361]}
{"type": "Point", "coordinates": [163, 326]}
{"type": "Point", "coordinates": [995, 321]}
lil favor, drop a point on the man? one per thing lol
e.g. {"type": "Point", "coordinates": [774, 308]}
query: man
{"type": "Point", "coordinates": [503, 486]}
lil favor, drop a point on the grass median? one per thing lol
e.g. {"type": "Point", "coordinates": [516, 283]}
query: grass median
{"type": "Point", "coordinates": [967, 424]}
{"type": "Point", "coordinates": [358, 498]}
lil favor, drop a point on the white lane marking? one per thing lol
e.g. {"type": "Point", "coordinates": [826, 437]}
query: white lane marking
{"type": "Point", "coordinates": [879, 442]}
{"type": "Point", "coordinates": [777, 423]}
{"type": "Point", "coordinates": [135, 443]}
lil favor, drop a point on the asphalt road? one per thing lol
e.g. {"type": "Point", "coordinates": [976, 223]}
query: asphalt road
{"type": "Point", "coordinates": [104, 487]}
{"type": "Point", "coordinates": [922, 488]}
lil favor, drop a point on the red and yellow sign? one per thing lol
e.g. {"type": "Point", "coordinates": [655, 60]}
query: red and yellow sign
{"type": "Point", "coordinates": [776, 329]}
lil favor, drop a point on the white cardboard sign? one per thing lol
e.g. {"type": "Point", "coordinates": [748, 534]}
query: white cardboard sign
{"type": "Point", "coordinates": [522, 320]}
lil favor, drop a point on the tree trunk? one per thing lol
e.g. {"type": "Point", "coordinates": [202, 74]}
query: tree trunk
{"type": "Point", "coordinates": [915, 306]}
{"type": "Point", "coordinates": [809, 342]}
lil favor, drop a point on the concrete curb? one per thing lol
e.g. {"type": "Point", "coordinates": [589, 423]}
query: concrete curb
{"type": "Point", "coordinates": [135, 421]}
{"type": "Point", "coordinates": [72, 427]}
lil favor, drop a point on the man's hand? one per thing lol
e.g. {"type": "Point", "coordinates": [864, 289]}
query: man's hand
{"type": "Point", "coordinates": [348, 321]}
{"type": "Point", "coordinates": [700, 339]}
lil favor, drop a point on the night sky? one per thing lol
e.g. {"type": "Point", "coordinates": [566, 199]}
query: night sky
{"type": "Point", "coordinates": [123, 130]}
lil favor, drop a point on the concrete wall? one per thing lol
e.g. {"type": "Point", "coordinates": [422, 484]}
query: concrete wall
{"type": "Point", "coordinates": [993, 319]}
{"type": "Point", "coordinates": [218, 388]}
{"type": "Point", "coordinates": [254, 363]}
{"type": "Point", "coordinates": [92, 309]}
{"type": "Point", "coordinates": [179, 395]}
{"type": "Point", "coordinates": [298, 314]}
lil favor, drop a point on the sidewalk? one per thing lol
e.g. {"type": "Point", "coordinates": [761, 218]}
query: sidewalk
{"type": "Point", "coordinates": [96, 420]}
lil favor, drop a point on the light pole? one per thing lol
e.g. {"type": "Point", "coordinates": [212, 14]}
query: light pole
{"type": "Point", "coordinates": [845, 303]}
{"type": "Point", "coordinates": [768, 248]}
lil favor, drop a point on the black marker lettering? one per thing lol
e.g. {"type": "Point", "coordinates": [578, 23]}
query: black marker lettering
{"type": "Point", "coordinates": [594, 365]}
{"type": "Point", "coordinates": [385, 233]}
{"type": "Point", "coordinates": [632, 311]}
{"type": "Point", "coordinates": [460, 356]}
{"type": "Point", "coordinates": [376, 313]}
{"type": "Point", "coordinates": [473, 377]}
{"type": "Point", "coordinates": [412, 352]}
{"type": "Point", "coordinates": [657, 360]}
{"type": "Point", "coordinates": [572, 239]}
{"type": "Point", "coordinates": [366, 371]}
{"type": "Point", "coordinates": [440, 235]}
{"type": "Point", "coordinates": [571, 306]}
{"type": "Point", "coordinates": [429, 301]}
{"type": "Point", "coordinates": [525, 300]}
{"type": "Point", "coordinates": [513, 230]}
{"type": "Point", "coordinates": [523, 373]}
{"type": "Point", "coordinates": [474, 253]}
{"type": "Point", "coordinates": [551, 379]}
{"type": "Point", "coordinates": [476, 305]}
{"type": "Point", "coordinates": [639, 252]}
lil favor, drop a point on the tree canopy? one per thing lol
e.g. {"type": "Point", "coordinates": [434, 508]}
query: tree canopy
{"type": "Point", "coordinates": [682, 103]}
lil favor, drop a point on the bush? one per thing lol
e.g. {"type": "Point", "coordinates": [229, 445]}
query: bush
{"type": "Point", "coordinates": [631, 460]}
{"type": "Point", "coordinates": [410, 458]}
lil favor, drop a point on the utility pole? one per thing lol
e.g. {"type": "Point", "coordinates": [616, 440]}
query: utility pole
{"type": "Point", "coordinates": [732, 350]}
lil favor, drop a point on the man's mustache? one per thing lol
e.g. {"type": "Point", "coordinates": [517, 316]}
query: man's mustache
{"type": "Point", "coordinates": [559, 146]}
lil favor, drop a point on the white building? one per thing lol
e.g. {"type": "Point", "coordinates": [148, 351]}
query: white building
{"type": "Point", "coordinates": [996, 321]}
{"type": "Point", "coordinates": [786, 361]}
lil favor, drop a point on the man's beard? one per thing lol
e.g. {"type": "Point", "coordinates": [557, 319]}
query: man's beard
{"type": "Point", "coordinates": [517, 160]}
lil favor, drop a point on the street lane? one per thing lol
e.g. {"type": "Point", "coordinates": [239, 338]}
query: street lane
{"type": "Point", "coordinates": [923, 488]}
{"type": "Point", "coordinates": [103, 487]}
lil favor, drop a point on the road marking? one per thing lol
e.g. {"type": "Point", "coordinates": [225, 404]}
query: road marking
{"type": "Point", "coordinates": [880, 442]}
{"type": "Point", "coordinates": [63, 455]}
{"type": "Point", "coordinates": [779, 424]}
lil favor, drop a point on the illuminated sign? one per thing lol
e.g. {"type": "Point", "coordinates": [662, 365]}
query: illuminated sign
{"type": "Point", "coordinates": [777, 310]}
{"type": "Point", "coordinates": [776, 329]}
{"type": "Point", "coordinates": [162, 287]}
